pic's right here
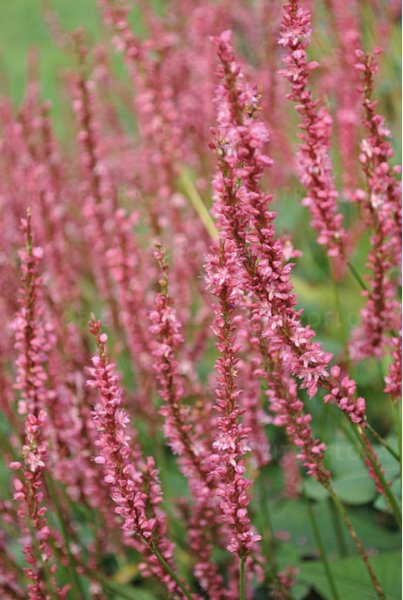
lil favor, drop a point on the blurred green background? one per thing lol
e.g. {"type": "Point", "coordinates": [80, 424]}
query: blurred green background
{"type": "Point", "coordinates": [22, 26]}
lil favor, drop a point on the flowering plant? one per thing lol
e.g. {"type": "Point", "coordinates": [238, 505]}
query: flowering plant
{"type": "Point", "coordinates": [190, 403]}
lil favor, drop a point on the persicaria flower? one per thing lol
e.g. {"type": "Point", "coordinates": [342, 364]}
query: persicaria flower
{"type": "Point", "coordinates": [314, 163]}
{"type": "Point", "coordinates": [381, 209]}
{"type": "Point", "coordinates": [246, 226]}
{"type": "Point", "coordinates": [133, 480]}
{"type": "Point", "coordinates": [32, 346]}
{"type": "Point", "coordinates": [231, 443]}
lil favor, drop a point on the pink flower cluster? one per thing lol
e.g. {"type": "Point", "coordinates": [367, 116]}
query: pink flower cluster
{"type": "Point", "coordinates": [381, 206]}
{"type": "Point", "coordinates": [29, 487]}
{"type": "Point", "coordinates": [314, 161]}
{"type": "Point", "coordinates": [289, 414]}
{"type": "Point", "coordinates": [394, 377]}
{"type": "Point", "coordinates": [188, 254]}
{"type": "Point", "coordinates": [133, 482]}
{"type": "Point", "coordinates": [230, 444]}
{"type": "Point", "coordinates": [247, 226]}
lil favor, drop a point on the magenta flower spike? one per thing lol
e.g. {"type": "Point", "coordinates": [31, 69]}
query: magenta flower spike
{"type": "Point", "coordinates": [314, 162]}
{"type": "Point", "coordinates": [246, 225]}
{"type": "Point", "coordinates": [231, 442]}
{"type": "Point", "coordinates": [29, 486]}
{"type": "Point", "coordinates": [381, 209]}
{"type": "Point", "coordinates": [194, 454]}
{"type": "Point", "coordinates": [133, 480]}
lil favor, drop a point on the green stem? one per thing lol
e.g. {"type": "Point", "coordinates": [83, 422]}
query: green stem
{"type": "Point", "coordinates": [388, 493]}
{"type": "Point", "coordinates": [383, 442]}
{"type": "Point", "coordinates": [341, 542]}
{"type": "Point", "coordinates": [170, 571]}
{"type": "Point", "coordinates": [242, 593]}
{"type": "Point", "coordinates": [398, 409]}
{"type": "Point", "coordinates": [43, 563]}
{"type": "Point", "coordinates": [81, 595]}
{"type": "Point", "coordinates": [344, 424]}
{"type": "Point", "coordinates": [267, 527]}
{"type": "Point", "coordinates": [377, 586]}
{"type": "Point", "coordinates": [321, 547]}
{"type": "Point", "coordinates": [118, 591]}
{"type": "Point", "coordinates": [342, 324]}
{"type": "Point", "coordinates": [197, 202]}
{"type": "Point", "coordinates": [357, 276]}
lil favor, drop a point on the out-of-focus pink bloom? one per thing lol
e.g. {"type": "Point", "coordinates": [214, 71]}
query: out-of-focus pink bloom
{"type": "Point", "coordinates": [393, 379]}
{"type": "Point", "coordinates": [346, 27]}
{"type": "Point", "coordinates": [315, 167]}
{"type": "Point", "coordinates": [291, 476]}
{"type": "Point", "coordinates": [381, 206]}
{"type": "Point", "coordinates": [31, 381]}
{"type": "Point", "coordinates": [166, 329]}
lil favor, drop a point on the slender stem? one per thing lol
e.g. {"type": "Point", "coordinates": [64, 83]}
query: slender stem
{"type": "Point", "coordinates": [198, 204]}
{"type": "Point", "coordinates": [342, 324]}
{"type": "Point", "coordinates": [388, 493]}
{"type": "Point", "coordinates": [267, 526]}
{"type": "Point", "coordinates": [242, 593]}
{"type": "Point", "coordinates": [377, 586]}
{"type": "Point", "coordinates": [268, 542]}
{"type": "Point", "coordinates": [383, 442]}
{"type": "Point", "coordinates": [341, 542]}
{"type": "Point", "coordinates": [357, 276]}
{"type": "Point", "coordinates": [352, 434]}
{"type": "Point", "coordinates": [50, 588]}
{"type": "Point", "coordinates": [321, 547]}
{"type": "Point", "coordinates": [112, 587]}
{"type": "Point", "coordinates": [345, 427]}
{"type": "Point", "coordinates": [398, 409]}
{"type": "Point", "coordinates": [72, 565]}
{"type": "Point", "coordinates": [170, 571]}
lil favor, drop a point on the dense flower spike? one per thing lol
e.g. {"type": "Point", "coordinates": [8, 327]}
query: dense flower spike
{"type": "Point", "coordinates": [314, 163]}
{"type": "Point", "coordinates": [29, 487]}
{"type": "Point", "coordinates": [240, 203]}
{"type": "Point", "coordinates": [182, 436]}
{"type": "Point", "coordinates": [343, 76]}
{"type": "Point", "coordinates": [166, 327]}
{"type": "Point", "coordinates": [231, 442]}
{"type": "Point", "coordinates": [381, 205]}
{"type": "Point", "coordinates": [393, 379]}
{"type": "Point", "coordinates": [289, 413]}
{"type": "Point", "coordinates": [133, 481]}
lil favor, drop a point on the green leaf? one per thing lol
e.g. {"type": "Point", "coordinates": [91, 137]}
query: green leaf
{"type": "Point", "coordinates": [300, 591]}
{"type": "Point", "coordinates": [355, 488]}
{"type": "Point", "coordinates": [343, 459]}
{"type": "Point", "coordinates": [291, 516]}
{"type": "Point", "coordinates": [314, 490]}
{"type": "Point", "coordinates": [389, 464]}
{"type": "Point", "coordinates": [128, 592]}
{"type": "Point", "coordinates": [352, 579]}
{"type": "Point", "coordinates": [382, 504]}
{"type": "Point", "coordinates": [368, 524]}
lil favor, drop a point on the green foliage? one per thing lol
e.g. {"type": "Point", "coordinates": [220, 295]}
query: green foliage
{"type": "Point", "coordinates": [352, 580]}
